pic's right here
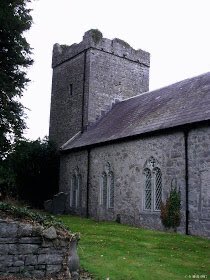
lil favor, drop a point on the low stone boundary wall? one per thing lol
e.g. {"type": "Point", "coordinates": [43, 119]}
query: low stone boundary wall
{"type": "Point", "coordinates": [36, 251]}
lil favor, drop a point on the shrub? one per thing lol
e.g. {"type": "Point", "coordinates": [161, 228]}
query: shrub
{"type": "Point", "coordinates": [31, 172]}
{"type": "Point", "coordinates": [171, 210]}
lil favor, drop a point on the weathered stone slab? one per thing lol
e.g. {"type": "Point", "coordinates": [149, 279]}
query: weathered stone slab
{"type": "Point", "coordinates": [8, 249]}
{"type": "Point", "coordinates": [18, 263]}
{"type": "Point", "coordinates": [8, 229]}
{"type": "Point", "coordinates": [24, 230]}
{"type": "Point", "coordinates": [58, 204]}
{"type": "Point", "coordinates": [30, 240]}
{"type": "Point", "coordinates": [37, 230]}
{"type": "Point", "coordinates": [50, 233]}
{"type": "Point", "coordinates": [31, 260]}
{"type": "Point", "coordinates": [25, 249]}
{"type": "Point", "coordinates": [48, 205]}
{"type": "Point", "coordinates": [50, 259]}
{"type": "Point", "coordinates": [53, 268]}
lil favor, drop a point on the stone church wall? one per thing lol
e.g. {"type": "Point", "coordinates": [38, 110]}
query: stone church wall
{"type": "Point", "coordinates": [199, 181]}
{"type": "Point", "coordinates": [113, 78]}
{"type": "Point", "coordinates": [67, 106]}
{"type": "Point", "coordinates": [69, 165]}
{"type": "Point", "coordinates": [127, 162]}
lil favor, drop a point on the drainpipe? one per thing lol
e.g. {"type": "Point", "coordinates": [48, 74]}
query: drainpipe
{"type": "Point", "coordinates": [83, 92]}
{"type": "Point", "coordinates": [186, 133]}
{"type": "Point", "coordinates": [88, 183]}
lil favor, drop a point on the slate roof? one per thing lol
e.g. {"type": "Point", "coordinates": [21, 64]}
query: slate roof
{"type": "Point", "coordinates": [182, 103]}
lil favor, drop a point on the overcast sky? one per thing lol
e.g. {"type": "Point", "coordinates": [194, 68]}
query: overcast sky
{"type": "Point", "coordinates": [175, 32]}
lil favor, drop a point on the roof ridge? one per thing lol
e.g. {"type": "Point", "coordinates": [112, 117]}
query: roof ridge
{"type": "Point", "coordinates": [165, 87]}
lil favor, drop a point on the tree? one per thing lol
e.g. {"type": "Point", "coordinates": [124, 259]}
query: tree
{"type": "Point", "coordinates": [31, 171]}
{"type": "Point", "coordinates": [15, 53]}
{"type": "Point", "coordinates": [171, 210]}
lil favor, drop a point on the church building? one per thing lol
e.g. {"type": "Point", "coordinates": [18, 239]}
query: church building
{"type": "Point", "coordinates": [123, 147]}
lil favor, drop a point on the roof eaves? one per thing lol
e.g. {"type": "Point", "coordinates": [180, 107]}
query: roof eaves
{"type": "Point", "coordinates": [155, 131]}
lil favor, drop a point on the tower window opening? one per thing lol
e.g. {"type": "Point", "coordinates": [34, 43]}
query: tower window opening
{"type": "Point", "coordinates": [70, 89]}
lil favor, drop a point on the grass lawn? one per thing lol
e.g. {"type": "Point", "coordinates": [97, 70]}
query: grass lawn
{"type": "Point", "coordinates": [114, 251]}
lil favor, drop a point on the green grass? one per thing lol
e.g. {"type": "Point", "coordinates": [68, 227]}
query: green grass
{"type": "Point", "coordinates": [114, 251]}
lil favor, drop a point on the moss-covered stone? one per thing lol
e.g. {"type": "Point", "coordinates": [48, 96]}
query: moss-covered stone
{"type": "Point", "coordinates": [96, 35]}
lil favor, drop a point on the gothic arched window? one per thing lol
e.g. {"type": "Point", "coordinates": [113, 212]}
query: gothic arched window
{"type": "Point", "coordinates": [103, 189]}
{"type": "Point", "coordinates": [158, 188]}
{"type": "Point", "coordinates": [78, 191]}
{"type": "Point", "coordinates": [152, 185]}
{"type": "Point", "coordinates": [75, 196]}
{"type": "Point", "coordinates": [147, 190]}
{"type": "Point", "coordinates": [106, 193]}
{"type": "Point", "coordinates": [110, 190]}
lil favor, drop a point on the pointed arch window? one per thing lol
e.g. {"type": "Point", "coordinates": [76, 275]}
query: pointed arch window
{"type": "Point", "coordinates": [147, 190]}
{"type": "Point", "coordinates": [106, 193]}
{"type": "Point", "coordinates": [75, 193]}
{"type": "Point", "coordinates": [103, 189]}
{"type": "Point", "coordinates": [158, 188]}
{"type": "Point", "coordinates": [110, 190]}
{"type": "Point", "coordinates": [152, 185]}
{"type": "Point", "coordinates": [78, 191]}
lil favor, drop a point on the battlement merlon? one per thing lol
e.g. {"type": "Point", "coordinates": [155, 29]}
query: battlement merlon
{"type": "Point", "coordinates": [94, 39]}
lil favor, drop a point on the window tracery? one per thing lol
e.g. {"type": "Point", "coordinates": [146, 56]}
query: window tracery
{"type": "Point", "coordinates": [152, 185]}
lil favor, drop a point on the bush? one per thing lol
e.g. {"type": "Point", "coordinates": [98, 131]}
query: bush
{"type": "Point", "coordinates": [171, 210]}
{"type": "Point", "coordinates": [31, 172]}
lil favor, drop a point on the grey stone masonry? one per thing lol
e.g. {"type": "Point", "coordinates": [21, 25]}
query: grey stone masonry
{"type": "Point", "coordinates": [199, 181]}
{"type": "Point", "coordinates": [94, 39]}
{"type": "Point", "coordinates": [127, 162]}
{"type": "Point", "coordinates": [88, 78]}
{"type": "Point", "coordinates": [34, 251]}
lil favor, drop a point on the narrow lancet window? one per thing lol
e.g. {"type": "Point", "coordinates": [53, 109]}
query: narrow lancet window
{"type": "Point", "coordinates": [75, 192]}
{"type": "Point", "coordinates": [158, 188]}
{"type": "Point", "coordinates": [106, 191]}
{"type": "Point", "coordinates": [111, 190]}
{"type": "Point", "coordinates": [101, 190]}
{"type": "Point", "coordinates": [148, 190]}
{"type": "Point", "coordinates": [153, 185]}
{"type": "Point", "coordinates": [70, 89]}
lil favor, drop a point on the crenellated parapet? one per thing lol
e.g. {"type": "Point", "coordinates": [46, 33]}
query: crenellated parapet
{"type": "Point", "coordinates": [94, 39]}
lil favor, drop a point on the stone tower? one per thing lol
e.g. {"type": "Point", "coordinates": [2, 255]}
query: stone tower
{"type": "Point", "coordinates": [88, 78]}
